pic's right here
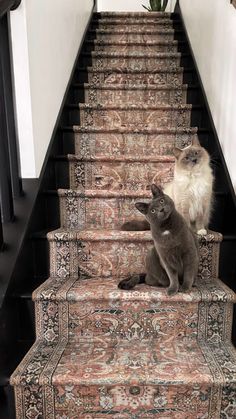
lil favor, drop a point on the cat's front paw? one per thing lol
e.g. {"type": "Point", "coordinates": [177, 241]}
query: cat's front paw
{"type": "Point", "coordinates": [202, 232]}
{"type": "Point", "coordinates": [172, 291]}
{"type": "Point", "coordinates": [185, 288]}
{"type": "Point", "coordinates": [125, 284]}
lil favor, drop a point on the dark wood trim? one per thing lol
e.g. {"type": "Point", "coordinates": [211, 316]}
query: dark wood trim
{"type": "Point", "coordinates": [16, 4]}
{"type": "Point", "coordinates": [9, 108]}
{"type": "Point", "coordinates": [6, 198]}
{"type": "Point", "coordinates": [14, 233]}
{"type": "Point", "coordinates": [6, 5]}
{"type": "Point", "coordinates": [10, 182]}
{"type": "Point", "coordinates": [1, 233]}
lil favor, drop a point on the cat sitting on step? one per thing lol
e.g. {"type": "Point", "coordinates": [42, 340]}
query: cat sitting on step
{"type": "Point", "coordinates": [191, 189]}
{"type": "Point", "coordinates": [175, 252]}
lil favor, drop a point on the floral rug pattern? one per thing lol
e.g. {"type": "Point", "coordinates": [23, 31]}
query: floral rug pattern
{"type": "Point", "coordinates": [102, 352]}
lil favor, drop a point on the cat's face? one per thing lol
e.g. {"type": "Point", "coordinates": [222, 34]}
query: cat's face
{"type": "Point", "coordinates": [159, 209]}
{"type": "Point", "coordinates": [192, 157]}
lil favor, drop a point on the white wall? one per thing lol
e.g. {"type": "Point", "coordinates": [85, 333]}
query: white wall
{"type": "Point", "coordinates": [128, 5]}
{"type": "Point", "coordinates": [211, 26]}
{"type": "Point", "coordinates": [46, 36]}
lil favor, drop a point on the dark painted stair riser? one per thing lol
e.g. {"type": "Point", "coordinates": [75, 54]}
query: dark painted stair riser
{"type": "Point", "coordinates": [79, 91]}
{"type": "Point", "coordinates": [114, 34]}
{"type": "Point", "coordinates": [125, 61]}
{"type": "Point", "coordinates": [68, 138]}
{"type": "Point", "coordinates": [149, 45]}
{"type": "Point", "coordinates": [196, 116]}
{"type": "Point", "coordinates": [83, 75]}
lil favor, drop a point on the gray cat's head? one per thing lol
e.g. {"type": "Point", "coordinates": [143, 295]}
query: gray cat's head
{"type": "Point", "coordinates": [159, 209]}
{"type": "Point", "coordinates": [192, 157]}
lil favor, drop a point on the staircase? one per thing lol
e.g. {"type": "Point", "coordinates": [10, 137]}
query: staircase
{"type": "Point", "coordinates": [100, 351]}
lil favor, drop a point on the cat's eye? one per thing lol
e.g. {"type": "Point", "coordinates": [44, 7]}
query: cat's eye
{"type": "Point", "coordinates": [153, 211]}
{"type": "Point", "coordinates": [162, 201]}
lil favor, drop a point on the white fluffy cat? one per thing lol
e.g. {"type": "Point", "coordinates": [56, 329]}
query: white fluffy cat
{"type": "Point", "coordinates": [191, 188]}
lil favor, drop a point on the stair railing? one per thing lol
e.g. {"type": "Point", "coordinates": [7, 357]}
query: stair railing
{"type": "Point", "coordinates": [10, 181]}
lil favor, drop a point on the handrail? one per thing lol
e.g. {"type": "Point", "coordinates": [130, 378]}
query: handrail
{"type": "Point", "coordinates": [6, 5]}
{"type": "Point", "coordinates": [10, 181]}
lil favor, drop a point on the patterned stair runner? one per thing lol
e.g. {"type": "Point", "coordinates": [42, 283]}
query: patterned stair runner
{"type": "Point", "coordinates": [107, 95]}
{"type": "Point", "coordinates": [102, 352]}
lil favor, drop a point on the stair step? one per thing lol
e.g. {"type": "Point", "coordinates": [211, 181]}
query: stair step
{"type": "Point", "coordinates": [97, 308]}
{"type": "Point", "coordinates": [114, 253]}
{"type": "Point", "coordinates": [136, 116]}
{"type": "Point", "coordinates": [99, 142]}
{"type": "Point", "coordinates": [96, 378]}
{"type": "Point", "coordinates": [136, 24]}
{"type": "Point", "coordinates": [109, 209]}
{"type": "Point", "coordinates": [124, 173]}
{"type": "Point", "coordinates": [122, 94]}
{"type": "Point", "coordinates": [132, 35]}
{"type": "Point", "coordinates": [115, 35]}
{"type": "Point", "coordinates": [138, 47]}
{"type": "Point", "coordinates": [144, 14]}
{"type": "Point", "coordinates": [138, 61]}
{"type": "Point", "coordinates": [158, 30]}
{"type": "Point", "coordinates": [99, 209]}
{"type": "Point", "coordinates": [136, 20]}
{"type": "Point", "coordinates": [136, 43]}
{"type": "Point", "coordinates": [127, 94]}
{"type": "Point", "coordinates": [173, 77]}
{"type": "Point", "coordinates": [120, 206]}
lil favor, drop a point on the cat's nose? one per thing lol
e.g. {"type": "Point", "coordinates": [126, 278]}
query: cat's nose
{"type": "Point", "coordinates": [194, 160]}
{"type": "Point", "coordinates": [161, 210]}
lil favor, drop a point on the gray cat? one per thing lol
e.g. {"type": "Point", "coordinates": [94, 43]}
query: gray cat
{"type": "Point", "coordinates": [175, 252]}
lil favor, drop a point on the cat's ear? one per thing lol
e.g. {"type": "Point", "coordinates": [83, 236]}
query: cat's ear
{"type": "Point", "coordinates": [195, 141]}
{"type": "Point", "coordinates": [156, 190]}
{"type": "Point", "coordinates": [177, 151]}
{"type": "Point", "coordinates": [142, 207]}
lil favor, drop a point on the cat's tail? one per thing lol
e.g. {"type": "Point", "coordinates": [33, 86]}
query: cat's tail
{"type": "Point", "coordinates": [129, 283]}
{"type": "Point", "coordinates": [136, 225]}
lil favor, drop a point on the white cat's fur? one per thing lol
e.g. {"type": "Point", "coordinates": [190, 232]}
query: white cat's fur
{"type": "Point", "coordinates": [191, 188]}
